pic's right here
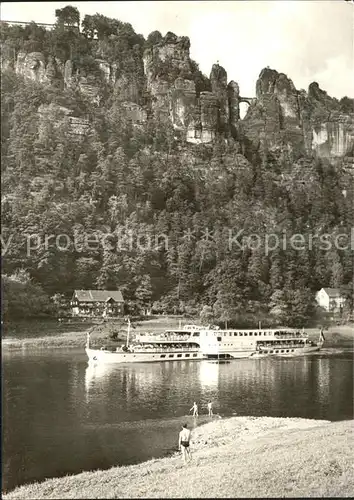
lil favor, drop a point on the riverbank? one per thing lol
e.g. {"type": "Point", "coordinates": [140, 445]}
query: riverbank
{"type": "Point", "coordinates": [74, 334]}
{"type": "Point", "coordinates": [235, 457]}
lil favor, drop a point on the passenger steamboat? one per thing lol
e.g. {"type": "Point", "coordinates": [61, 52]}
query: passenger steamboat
{"type": "Point", "coordinates": [177, 344]}
{"type": "Point", "coordinates": [229, 344]}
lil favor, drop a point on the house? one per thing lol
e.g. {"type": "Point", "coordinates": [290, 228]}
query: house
{"type": "Point", "coordinates": [330, 299]}
{"type": "Point", "coordinates": [104, 303]}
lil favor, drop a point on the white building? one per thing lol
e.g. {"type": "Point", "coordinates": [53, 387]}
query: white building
{"type": "Point", "coordinates": [330, 299]}
{"type": "Point", "coordinates": [97, 303]}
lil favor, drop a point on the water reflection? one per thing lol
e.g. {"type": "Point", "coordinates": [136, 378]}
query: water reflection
{"type": "Point", "coordinates": [62, 415]}
{"type": "Point", "coordinates": [323, 379]}
{"type": "Point", "coordinates": [209, 374]}
{"type": "Point", "coordinates": [275, 387]}
{"type": "Point", "coordinates": [142, 388]}
{"type": "Point", "coordinates": [94, 373]}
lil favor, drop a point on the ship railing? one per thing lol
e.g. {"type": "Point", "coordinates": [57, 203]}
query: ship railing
{"type": "Point", "coordinates": [273, 345]}
{"type": "Point", "coordinates": [162, 338]}
{"type": "Point", "coordinates": [163, 349]}
{"type": "Point", "coordinates": [290, 335]}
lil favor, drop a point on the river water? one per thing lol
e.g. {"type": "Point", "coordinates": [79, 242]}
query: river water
{"type": "Point", "coordinates": [61, 416]}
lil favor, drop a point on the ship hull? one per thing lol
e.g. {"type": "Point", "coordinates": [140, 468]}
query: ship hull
{"type": "Point", "coordinates": [290, 354]}
{"type": "Point", "coordinates": [276, 352]}
{"type": "Point", "coordinates": [108, 357]}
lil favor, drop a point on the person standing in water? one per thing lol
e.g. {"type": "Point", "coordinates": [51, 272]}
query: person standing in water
{"type": "Point", "coordinates": [195, 409]}
{"type": "Point", "coordinates": [183, 443]}
{"type": "Point", "coordinates": [210, 409]}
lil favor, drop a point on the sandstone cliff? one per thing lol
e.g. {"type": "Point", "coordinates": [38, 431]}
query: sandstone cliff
{"type": "Point", "coordinates": [302, 121]}
{"type": "Point", "coordinates": [163, 82]}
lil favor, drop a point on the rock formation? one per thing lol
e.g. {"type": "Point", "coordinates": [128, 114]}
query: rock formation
{"type": "Point", "coordinates": [162, 83]}
{"type": "Point", "coordinates": [233, 96]}
{"type": "Point", "coordinates": [59, 116]}
{"type": "Point", "coordinates": [31, 66]}
{"type": "Point", "coordinates": [218, 79]}
{"type": "Point", "coordinates": [282, 116]}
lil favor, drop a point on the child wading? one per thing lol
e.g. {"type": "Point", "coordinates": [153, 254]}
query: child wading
{"type": "Point", "coordinates": [183, 443]}
{"type": "Point", "coordinates": [210, 409]}
{"type": "Point", "coordinates": [195, 409]}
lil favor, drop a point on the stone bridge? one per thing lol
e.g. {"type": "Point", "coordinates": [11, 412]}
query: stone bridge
{"type": "Point", "coordinates": [248, 100]}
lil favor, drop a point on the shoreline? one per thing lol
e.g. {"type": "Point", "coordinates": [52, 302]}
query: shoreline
{"type": "Point", "coordinates": [78, 340]}
{"type": "Point", "coordinates": [231, 457]}
{"type": "Point", "coordinates": [67, 335]}
{"type": "Point", "coordinates": [335, 337]}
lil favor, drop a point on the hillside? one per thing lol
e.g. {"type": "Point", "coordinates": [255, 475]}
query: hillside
{"type": "Point", "coordinates": [123, 166]}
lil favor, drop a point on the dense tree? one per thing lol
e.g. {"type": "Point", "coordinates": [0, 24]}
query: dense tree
{"type": "Point", "coordinates": [154, 38]}
{"type": "Point", "coordinates": [136, 208]}
{"type": "Point", "coordinates": [68, 16]}
{"type": "Point", "coordinates": [22, 298]}
{"type": "Point", "coordinates": [143, 293]}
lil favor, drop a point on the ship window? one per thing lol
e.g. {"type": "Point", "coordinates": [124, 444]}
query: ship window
{"type": "Point", "coordinates": [218, 339]}
{"type": "Point", "coordinates": [251, 333]}
{"type": "Point", "coordinates": [255, 333]}
{"type": "Point", "coordinates": [292, 350]}
{"type": "Point", "coordinates": [271, 352]}
{"type": "Point", "coordinates": [170, 355]}
{"type": "Point", "coordinates": [245, 334]}
{"type": "Point", "coordinates": [163, 356]}
{"type": "Point", "coordinates": [277, 350]}
{"type": "Point", "coordinates": [235, 334]}
{"type": "Point", "coordinates": [240, 334]}
{"type": "Point", "coordinates": [194, 355]}
{"type": "Point", "coordinates": [287, 350]}
{"type": "Point", "coordinates": [187, 355]}
{"type": "Point", "coordinates": [179, 355]}
{"type": "Point", "coordinates": [265, 352]}
{"type": "Point", "coordinates": [282, 350]}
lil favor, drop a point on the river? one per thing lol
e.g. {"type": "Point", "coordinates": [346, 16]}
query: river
{"type": "Point", "coordinates": [61, 416]}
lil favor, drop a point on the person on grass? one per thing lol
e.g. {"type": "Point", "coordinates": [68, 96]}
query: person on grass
{"type": "Point", "coordinates": [183, 443]}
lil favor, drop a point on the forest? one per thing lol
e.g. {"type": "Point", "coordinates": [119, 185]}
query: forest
{"type": "Point", "coordinates": [132, 208]}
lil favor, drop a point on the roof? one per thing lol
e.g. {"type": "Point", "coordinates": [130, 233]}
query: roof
{"type": "Point", "coordinates": [98, 295]}
{"type": "Point", "coordinates": [332, 292]}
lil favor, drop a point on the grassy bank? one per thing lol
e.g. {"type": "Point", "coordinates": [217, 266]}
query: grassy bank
{"type": "Point", "coordinates": [335, 336]}
{"type": "Point", "coordinates": [54, 334]}
{"type": "Point", "coordinates": [236, 457]}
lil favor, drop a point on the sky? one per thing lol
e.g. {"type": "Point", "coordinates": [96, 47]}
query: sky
{"type": "Point", "coordinates": [307, 40]}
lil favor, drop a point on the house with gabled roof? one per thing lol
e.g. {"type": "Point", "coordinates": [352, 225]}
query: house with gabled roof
{"type": "Point", "coordinates": [331, 299]}
{"type": "Point", "coordinates": [93, 303]}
